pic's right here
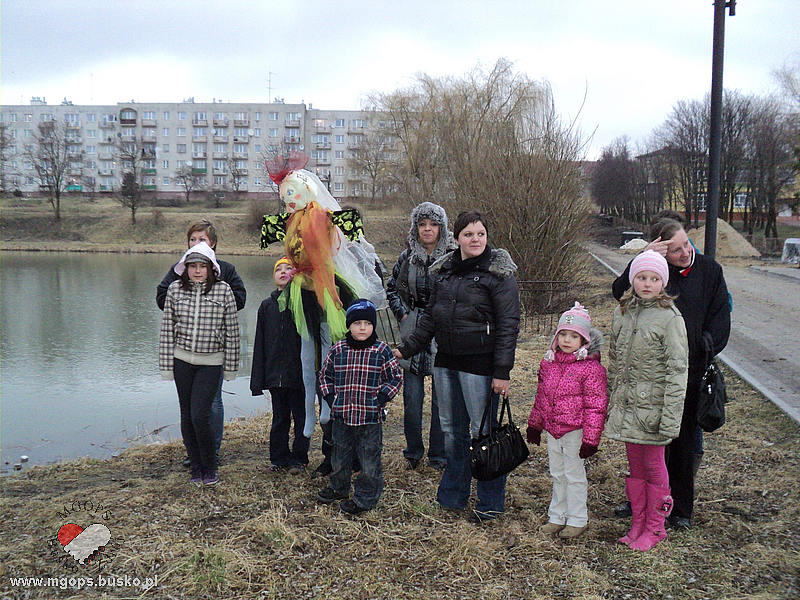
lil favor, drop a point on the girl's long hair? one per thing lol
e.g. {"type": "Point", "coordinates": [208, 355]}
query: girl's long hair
{"type": "Point", "coordinates": [186, 283]}
{"type": "Point", "coordinates": [664, 300]}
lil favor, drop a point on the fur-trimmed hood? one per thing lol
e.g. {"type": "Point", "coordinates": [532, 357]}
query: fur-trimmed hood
{"type": "Point", "coordinates": [434, 212]}
{"type": "Point", "coordinates": [500, 263]}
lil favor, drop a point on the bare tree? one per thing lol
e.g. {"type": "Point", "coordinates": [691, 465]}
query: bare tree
{"type": "Point", "coordinates": [190, 180]}
{"type": "Point", "coordinates": [493, 141]}
{"type": "Point", "coordinates": [373, 156]}
{"type": "Point", "coordinates": [736, 118]}
{"type": "Point", "coordinates": [237, 175]}
{"type": "Point", "coordinates": [137, 159]}
{"type": "Point", "coordinates": [55, 161]}
{"type": "Point", "coordinates": [8, 165]}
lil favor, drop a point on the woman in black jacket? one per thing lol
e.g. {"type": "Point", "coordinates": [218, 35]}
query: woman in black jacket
{"type": "Point", "coordinates": [702, 299]}
{"type": "Point", "coordinates": [473, 313]}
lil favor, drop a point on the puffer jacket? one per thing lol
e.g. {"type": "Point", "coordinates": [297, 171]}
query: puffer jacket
{"type": "Point", "coordinates": [572, 394]}
{"type": "Point", "coordinates": [648, 356]}
{"type": "Point", "coordinates": [471, 312]}
{"type": "Point", "coordinates": [200, 329]}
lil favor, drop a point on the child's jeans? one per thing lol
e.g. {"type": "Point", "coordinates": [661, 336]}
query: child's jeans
{"type": "Point", "coordinates": [366, 442]}
{"type": "Point", "coordinates": [568, 505]}
{"type": "Point", "coordinates": [647, 462]}
{"type": "Point", "coordinates": [288, 405]}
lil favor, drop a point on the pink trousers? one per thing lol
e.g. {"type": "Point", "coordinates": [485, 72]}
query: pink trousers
{"type": "Point", "coordinates": [647, 462]}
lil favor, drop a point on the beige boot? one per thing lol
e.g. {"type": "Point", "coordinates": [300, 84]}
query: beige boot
{"type": "Point", "coordinates": [569, 532]}
{"type": "Point", "coordinates": [551, 528]}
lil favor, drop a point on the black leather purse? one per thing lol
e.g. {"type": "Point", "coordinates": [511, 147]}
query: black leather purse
{"type": "Point", "coordinates": [712, 400]}
{"type": "Point", "coordinates": [499, 451]}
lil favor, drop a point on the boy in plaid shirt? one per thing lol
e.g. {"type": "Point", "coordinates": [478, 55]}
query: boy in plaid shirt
{"type": "Point", "coordinates": [359, 376]}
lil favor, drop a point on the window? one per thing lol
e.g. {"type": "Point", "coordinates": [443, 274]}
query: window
{"type": "Point", "coordinates": [28, 133]}
{"type": "Point", "coordinates": [273, 116]}
{"type": "Point", "coordinates": [181, 115]}
{"type": "Point", "coordinates": [357, 123]}
{"type": "Point", "coordinates": [45, 117]}
{"type": "Point", "coordinates": [273, 132]}
{"type": "Point", "coordinates": [199, 164]}
{"type": "Point", "coordinates": [220, 166]}
{"type": "Point", "coordinates": [257, 181]}
{"type": "Point", "coordinates": [91, 133]}
{"type": "Point", "coordinates": [91, 150]}
{"type": "Point", "coordinates": [220, 148]}
{"type": "Point", "coordinates": [128, 131]}
{"type": "Point", "coordinates": [338, 187]}
{"type": "Point", "coordinates": [241, 164]}
{"type": "Point", "coordinates": [90, 164]}
{"type": "Point", "coordinates": [319, 155]}
{"type": "Point", "coordinates": [220, 132]}
{"type": "Point", "coordinates": [740, 200]}
{"type": "Point", "coordinates": [199, 150]}
{"type": "Point", "coordinates": [338, 154]}
{"type": "Point", "coordinates": [28, 118]}
{"type": "Point", "coordinates": [257, 116]}
{"type": "Point", "coordinates": [338, 170]}
{"type": "Point", "coordinates": [166, 115]}
{"type": "Point", "coordinates": [240, 132]}
{"type": "Point", "coordinates": [10, 118]}
{"type": "Point", "coordinates": [339, 139]}
{"type": "Point", "coordinates": [180, 131]}
{"type": "Point", "coordinates": [258, 147]}
{"type": "Point", "coordinates": [220, 116]}
{"type": "Point", "coordinates": [181, 164]}
{"type": "Point", "coordinates": [165, 147]}
{"type": "Point", "coordinates": [165, 132]}
{"type": "Point", "coordinates": [200, 132]}
{"type": "Point", "coordinates": [165, 164]}
{"type": "Point", "coordinates": [149, 132]}
{"type": "Point", "coordinates": [219, 179]}
{"type": "Point", "coordinates": [165, 181]}
{"type": "Point", "coordinates": [181, 149]}
{"type": "Point", "coordinates": [257, 132]}
{"type": "Point", "coordinates": [68, 118]}
{"type": "Point", "coordinates": [240, 116]}
{"type": "Point", "coordinates": [149, 115]}
{"type": "Point", "coordinates": [339, 123]}
{"type": "Point", "coordinates": [240, 149]}
{"type": "Point", "coordinates": [127, 114]}
{"type": "Point", "coordinates": [295, 116]}
{"type": "Point", "coordinates": [200, 116]}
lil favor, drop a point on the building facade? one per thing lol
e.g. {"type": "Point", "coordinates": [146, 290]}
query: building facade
{"type": "Point", "coordinates": [222, 146]}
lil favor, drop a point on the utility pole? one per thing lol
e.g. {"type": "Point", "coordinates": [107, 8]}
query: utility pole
{"type": "Point", "coordinates": [715, 139]}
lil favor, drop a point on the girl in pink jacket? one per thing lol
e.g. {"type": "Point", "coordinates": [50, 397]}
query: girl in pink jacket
{"type": "Point", "coordinates": [570, 406]}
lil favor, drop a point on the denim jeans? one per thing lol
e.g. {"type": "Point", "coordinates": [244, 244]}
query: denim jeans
{"type": "Point", "coordinates": [288, 406]}
{"type": "Point", "coordinates": [366, 442]}
{"type": "Point", "coordinates": [217, 416]}
{"type": "Point", "coordinates": [413, 396]}
{"type": "Point", "coordinates": [196, 385]}
{"type": "Point", "coordinates": [462, 400]}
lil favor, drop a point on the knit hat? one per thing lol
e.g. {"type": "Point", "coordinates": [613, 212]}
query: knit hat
{"type": "Point", "coordinates": [281, 261]}
{"type": "Point", "coordinates": [362, 310]}
{"type": "Point", "coordinates": [201, 252]}
{"type": "Point", "coordinates": [576, 319]}
{"type": "Point", "coordinates": [650, 260]}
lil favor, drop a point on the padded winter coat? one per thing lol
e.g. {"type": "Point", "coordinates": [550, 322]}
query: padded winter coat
{"type": "Point", "coordinates": [648, 356]}
{"type": "Point", "coordinates": [572, 394]}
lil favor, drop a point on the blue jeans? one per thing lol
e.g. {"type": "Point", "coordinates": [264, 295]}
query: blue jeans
{"type": "Point", "coordinates": [366, 442]}
{"type": "Point", "coordinates": [413, 396]}
{"type": "Point", "coordinates": [462, 400]}
{"type": "Point", "coordinates": [217, 416]}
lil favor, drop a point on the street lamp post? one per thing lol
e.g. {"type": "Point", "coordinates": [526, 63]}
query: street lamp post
{"type": "Point", "coordinates": [715, 138]}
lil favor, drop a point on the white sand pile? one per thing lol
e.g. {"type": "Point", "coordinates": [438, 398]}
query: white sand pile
{"type": "Point", "coordinates": [633, 246]}
{"type": "Point", "coordinates": [730, 242]}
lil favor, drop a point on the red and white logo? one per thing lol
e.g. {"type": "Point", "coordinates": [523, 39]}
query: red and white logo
{"type": "Point", "coordinates": [83, 544]}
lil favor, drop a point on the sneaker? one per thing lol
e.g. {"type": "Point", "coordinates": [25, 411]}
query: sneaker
{"type": "Point", "coordinates": [569, 532]}
{"type": "Point", "coordinates": [328, 495]}
{"type": "Point", "coordinates": [277, 468]}
{"type": "Point", "coordinates": [186, 462]}
{"type": "Point", "coordinates": [412, 464]}
{"type": "Point", "coordinates": [679, 523]}
{"type": "Point", "coordinates": [210, 477]}
{"type": "Point", "coordinates": [323, 470]}
{"type": "Point", "coordinates": [351, 508]}
{"type": "Point", "coordinates": [551, 528]}
{"type": "Point", "coordinates": [197, 475]}
{"type": "Point", "coordinates": [478, 518]}
{"type": "Point", "coordinates": [297, 469]}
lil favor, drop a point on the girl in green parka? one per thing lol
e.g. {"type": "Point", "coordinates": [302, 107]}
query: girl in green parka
{"type": "Point", "coordinates": [649, 355]}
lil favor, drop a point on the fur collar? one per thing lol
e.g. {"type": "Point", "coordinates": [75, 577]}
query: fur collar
{"type": "Point", "coordinates": [499, 261]}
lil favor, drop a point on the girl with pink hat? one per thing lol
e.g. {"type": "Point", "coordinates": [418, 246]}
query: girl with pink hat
{"type": "Point", "coordinates": [648, 370]}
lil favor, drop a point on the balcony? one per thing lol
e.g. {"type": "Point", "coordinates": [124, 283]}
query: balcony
{"type": "Point", "coordinates": [73, 125]}
{"type": "Point", "coordinates": [106, 173]}
{"type": "Point", "coordinates": [323, 161]}
{"type": "Point", "coordinates": [292, 122]}
{"type": "Point", "coordinates": [241, 122]}
{"type": "Point", "coordinates": [241, 172]}
{"type": "Point", "coordinates": [149, 186]}
{"type": "Point", "coordinates": [291, 139]}
{"type": "Point", "coordinates": [199, 138]}
{"type": "Point", "coordinates": [354, 145]}
{"type": "Point", "coordinates": [104, 157]}
{"type": "Point", "coordinates": [148, 171]}
{"type": "Point", "coordinates": [322, 128]}
{"type": "Point", "coordinates": [219, 155]}
{"type": "Point", "coordinates": [201, 122]}
{"type": "Point", "coordinates": [127, 121]}
{"type": "Point", "coordinates": [106, 188]}
{"type": "Point", "coordinates": [74, 155]}
{"type": "Point", "coordinates": [107, 140]}
{"type": "Point", "coordinates": [241, 139]}
{"type": "Point", "coordinates": [199, 155]}
{"type": "Point", "coordinates": [242, 155]}
{"type": "Point", "coordinates": [220, 172]}
{"type": "Point", "coordinates": [149, 123]}
{"type": "Point", "coordinates": [199, 171]}
{"type": "Point", "coordinates": [221, 122]}
{"type": "Point", "coordinates": [322, 145]}
{"type": "Point", "coordinates": [108, 124]}
{"type": "Point", "coordinates": [221, 138]}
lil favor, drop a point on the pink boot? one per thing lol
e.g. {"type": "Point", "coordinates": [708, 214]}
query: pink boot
{"type": "Point", "coordinates": [659, 505]}
{"type": "Point", "coordinates": [637, 494]}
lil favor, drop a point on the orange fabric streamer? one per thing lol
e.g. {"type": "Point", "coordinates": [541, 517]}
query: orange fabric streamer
{"type": "Point", "coordinates": [310, 236]}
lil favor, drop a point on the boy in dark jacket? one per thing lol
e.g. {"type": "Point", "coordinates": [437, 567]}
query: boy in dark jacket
{"type": "Point", "coordinates": [276, 367]}
{"type": "Point", "coordinates": [359, 376]}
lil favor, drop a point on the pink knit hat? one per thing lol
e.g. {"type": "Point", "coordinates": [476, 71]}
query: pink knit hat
{"type": "Point", "coordinates": [650, 260]}
{"type": "Point", "coordinates": [576, 319]}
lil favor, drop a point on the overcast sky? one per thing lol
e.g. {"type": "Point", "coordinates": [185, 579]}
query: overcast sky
{"type": "Point", "coordinates": [631, 59]}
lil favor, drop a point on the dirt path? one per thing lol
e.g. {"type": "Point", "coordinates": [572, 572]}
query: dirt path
{"type": "Point", "coordinates": [764, 326]}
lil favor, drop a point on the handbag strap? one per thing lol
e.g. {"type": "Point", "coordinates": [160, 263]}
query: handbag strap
{"type": "Point", "coordinates": [504, 409]}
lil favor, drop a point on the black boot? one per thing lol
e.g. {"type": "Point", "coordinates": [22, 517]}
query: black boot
{"type": "Point", "coordinates": [623, 509]}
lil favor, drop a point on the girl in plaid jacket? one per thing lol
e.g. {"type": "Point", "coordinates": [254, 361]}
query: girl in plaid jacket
{"type": "Point", "coordinates": [199, 339]}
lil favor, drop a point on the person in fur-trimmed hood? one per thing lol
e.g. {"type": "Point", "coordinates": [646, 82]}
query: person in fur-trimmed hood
{"type": "Point", "coordinates": [408, 291]}
{"type": "Point", "coordinates": [473, 313]}
{"type": "Point", "coordinates": [570, 405]}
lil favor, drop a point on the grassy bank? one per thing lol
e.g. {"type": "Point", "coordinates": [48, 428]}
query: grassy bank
{"type": "Point", "coordinates": [261, 535]}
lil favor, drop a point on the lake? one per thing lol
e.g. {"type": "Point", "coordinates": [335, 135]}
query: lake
{"type": "Point", "coordinates": [79, 370]}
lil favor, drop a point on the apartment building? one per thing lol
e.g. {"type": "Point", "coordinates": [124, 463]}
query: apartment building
{"type": "Point", "coordinates": [222, 145]}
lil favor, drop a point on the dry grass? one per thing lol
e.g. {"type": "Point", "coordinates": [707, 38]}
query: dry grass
{"type": "Point", "coordinates": [261, 535]}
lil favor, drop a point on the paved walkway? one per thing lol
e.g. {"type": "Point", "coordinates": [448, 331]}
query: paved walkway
{"type": "Point", "coordinates": [765, 327]}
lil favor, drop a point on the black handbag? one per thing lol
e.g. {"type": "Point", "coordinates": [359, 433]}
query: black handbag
{"type": "Point", "coordinates": [499, 451]}
{"type": "Point", "coordinates": [712, 400]}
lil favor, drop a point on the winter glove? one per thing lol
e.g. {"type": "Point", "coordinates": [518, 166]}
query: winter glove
{"type": "Point", "coordinates": [534, 436]}
{"type": "Point", "coordinates": [586, 450]}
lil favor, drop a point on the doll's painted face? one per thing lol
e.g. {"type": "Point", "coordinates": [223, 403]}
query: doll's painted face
{"type": "Point", "coordinates": [297, 190]}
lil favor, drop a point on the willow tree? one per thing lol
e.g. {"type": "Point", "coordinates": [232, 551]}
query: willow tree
{"type": "Point", "coordinates": [493, 141]}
